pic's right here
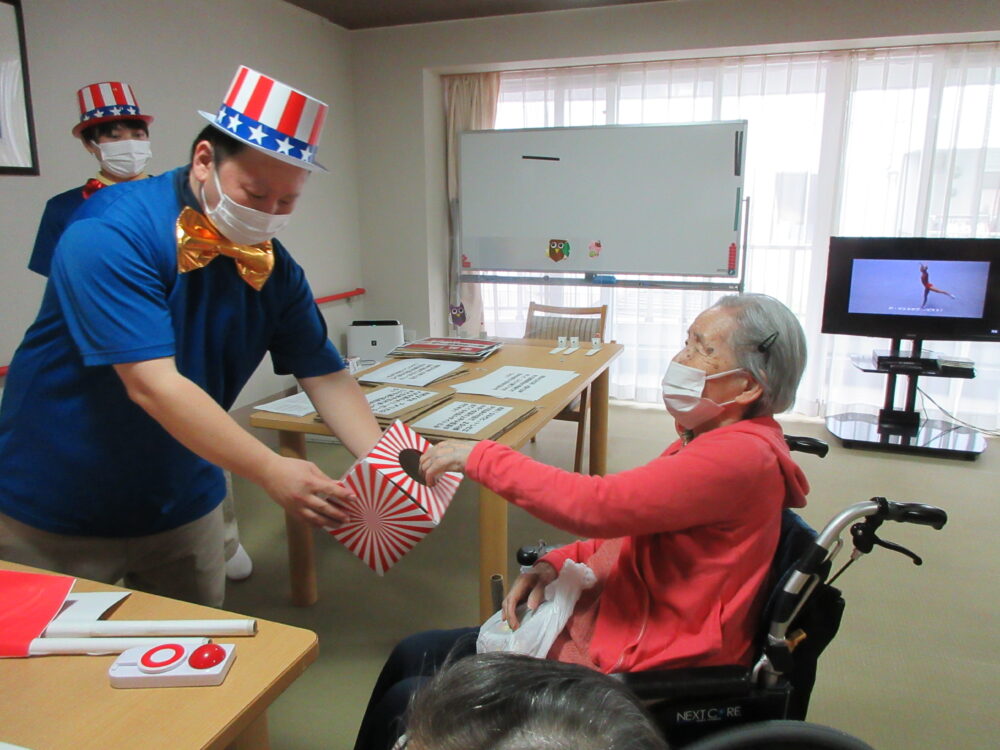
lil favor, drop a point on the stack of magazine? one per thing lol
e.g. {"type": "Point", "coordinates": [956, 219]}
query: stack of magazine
{"type": "Point", "coordinates": [470, 420]}
{"type": "Point", "coordinates": [472, 350]}
{"type": "Point", "coordinates": [391, 402]}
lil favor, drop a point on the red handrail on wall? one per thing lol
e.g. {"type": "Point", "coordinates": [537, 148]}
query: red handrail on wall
{"type": "Point", "coordinates": [342, 295]}
{"type": "Point", "coordinates": [319, 301]}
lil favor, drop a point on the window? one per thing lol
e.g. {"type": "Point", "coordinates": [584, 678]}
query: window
{"type": "Point", "coordinates": [881, 142]}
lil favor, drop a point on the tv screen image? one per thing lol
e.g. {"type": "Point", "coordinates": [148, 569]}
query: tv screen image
{"type": "Point", "coordinates": [920, 288]}
{"type": "Point", "coordinates": [914, 289]}
{"type": "Point", "coordinates": [924, 287]}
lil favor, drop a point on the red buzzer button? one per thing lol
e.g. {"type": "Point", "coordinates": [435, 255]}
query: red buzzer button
{"type": "Point", "coordinates": [161, 658]}
{"type": "Point", "coordinates": [207, 656]}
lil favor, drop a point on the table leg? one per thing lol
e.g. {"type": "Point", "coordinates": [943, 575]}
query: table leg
{"type": "Point", "coordinates": [599, 423]}
{"type": "Point", "coordinates": [254, 737]}
{"type": "Point", "coordinates": [301, 544]}
{"type": "Point", "coordinates": [492, 546]}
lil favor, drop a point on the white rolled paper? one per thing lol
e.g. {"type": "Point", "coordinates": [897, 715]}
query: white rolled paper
{"type": "Point", "coordinates": [96, 646]}
{"type": "Point", "coordinates": [60, 628]}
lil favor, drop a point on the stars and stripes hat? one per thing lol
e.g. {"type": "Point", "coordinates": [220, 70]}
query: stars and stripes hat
{"type": "Point", "coordinates": [106, 102]}
{"type": "Point", "coordinates": [271, 117]}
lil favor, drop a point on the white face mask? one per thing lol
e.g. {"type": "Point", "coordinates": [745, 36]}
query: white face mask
{"type": "Point", "coordinates": [242, 224]}
{"type": "Point", "coordinates": [124, 159]}
{"type": "Point", "coordinates": [682, 389]}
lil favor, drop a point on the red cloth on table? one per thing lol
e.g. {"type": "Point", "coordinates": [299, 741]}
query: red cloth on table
{"type": "Point", "coordinates": [28, 603]}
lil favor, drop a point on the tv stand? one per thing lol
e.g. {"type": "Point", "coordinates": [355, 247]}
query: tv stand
{"type": "Point", "coordinates": [903, 430]}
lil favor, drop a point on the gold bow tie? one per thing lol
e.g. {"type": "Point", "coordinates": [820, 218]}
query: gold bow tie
{"type": "Point", "coordinates": [199, 243]}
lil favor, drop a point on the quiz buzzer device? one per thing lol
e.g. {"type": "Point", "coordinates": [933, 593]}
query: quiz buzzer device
{"type": "Point", "coordinates": [172, 665]}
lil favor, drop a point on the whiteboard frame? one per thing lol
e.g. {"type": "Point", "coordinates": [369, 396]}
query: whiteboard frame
{"type": "Point", "coordinates": [723, 269]}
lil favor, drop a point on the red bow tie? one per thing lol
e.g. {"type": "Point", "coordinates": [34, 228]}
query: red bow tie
{"type": "Point", "coordinates": [91, 186]}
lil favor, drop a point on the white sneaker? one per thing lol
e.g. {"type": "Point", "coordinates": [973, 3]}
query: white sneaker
{"type": "Point", "coordinates": [239, 566]}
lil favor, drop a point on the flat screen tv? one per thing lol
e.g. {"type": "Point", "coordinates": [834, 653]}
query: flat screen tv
{"type": "Point", "coordinates": [913, 288]}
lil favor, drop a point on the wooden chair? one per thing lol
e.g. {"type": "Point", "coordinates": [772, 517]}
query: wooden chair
{"type": "Point", "coordinates": [549, 322]}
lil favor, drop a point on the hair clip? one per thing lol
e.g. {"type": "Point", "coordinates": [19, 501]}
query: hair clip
{"type": "Point", "coordinates": [764, 346]}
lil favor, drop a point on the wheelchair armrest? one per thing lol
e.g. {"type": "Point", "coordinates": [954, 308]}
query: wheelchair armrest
{"type": "Point", "coordinates": [694, 682]}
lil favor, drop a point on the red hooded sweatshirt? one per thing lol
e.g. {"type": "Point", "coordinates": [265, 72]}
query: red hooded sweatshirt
{"type": "Point", "coordinates": [699, 527]}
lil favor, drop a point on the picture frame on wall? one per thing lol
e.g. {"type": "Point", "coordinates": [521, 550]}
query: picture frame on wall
{"type": "Point", "coordinates": [18, 153]}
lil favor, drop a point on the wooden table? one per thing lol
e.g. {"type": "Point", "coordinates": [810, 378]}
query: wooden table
{"type": "Point", "coordinates": [67, 702]}
{"type": "Point", "coordinates": [593, 371]}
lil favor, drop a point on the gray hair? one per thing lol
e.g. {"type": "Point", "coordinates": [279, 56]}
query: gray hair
{"type": "Point", "coordinates": [506, 701]}
{"type": "Point", "coordinates": [769, 343]}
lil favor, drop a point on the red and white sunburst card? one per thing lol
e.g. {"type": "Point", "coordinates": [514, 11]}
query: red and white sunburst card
{"type": "Point", "coordinates": [395, 510]}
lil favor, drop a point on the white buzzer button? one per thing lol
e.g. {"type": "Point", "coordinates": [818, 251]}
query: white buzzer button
{"type": "Point", "coordinates": [172, 665]}
{"type": "Point", "coordinates": [161, 658]}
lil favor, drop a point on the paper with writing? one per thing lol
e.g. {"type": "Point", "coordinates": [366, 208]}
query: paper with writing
{"type": "Point", "coordinates": [465, 417]}
{"type": "Point", "coordinates": [418, 372]}
{"type": "Point", "coordinates": [297, 405]}
{"type": "Point", "coordinates": [525, 383]}
{"type": "Point", "coordinates": [391, 400]}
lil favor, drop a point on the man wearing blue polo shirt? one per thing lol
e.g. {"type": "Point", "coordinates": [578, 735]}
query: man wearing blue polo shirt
{"type": "Point", "coordinates": [164, 297]}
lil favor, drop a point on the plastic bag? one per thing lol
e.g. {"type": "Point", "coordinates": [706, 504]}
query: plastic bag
{"type": "Point", "coordinates": [539, 629]}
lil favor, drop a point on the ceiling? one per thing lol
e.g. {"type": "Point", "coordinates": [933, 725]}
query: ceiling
{"type": "Point", "coordinates": [368, 14]}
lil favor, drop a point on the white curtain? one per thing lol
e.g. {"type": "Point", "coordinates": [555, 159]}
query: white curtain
{"type": "Point", "coordinates": [470, 104]}
{"type": "Point", "coordinates": [882, 142]}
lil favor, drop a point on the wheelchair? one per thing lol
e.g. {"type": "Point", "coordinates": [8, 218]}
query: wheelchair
{"type": "Point", "coordinates": [799, 619]}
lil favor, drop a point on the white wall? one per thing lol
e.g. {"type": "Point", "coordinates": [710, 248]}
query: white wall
{"type": "Point", "coordinates": [399, 108]}
{"type": "Point", "coordinates": [180, 57]}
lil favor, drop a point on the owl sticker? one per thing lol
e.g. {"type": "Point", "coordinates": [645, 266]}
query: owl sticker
{"type": "Point", "coordinates": [595, 248]}
{"type": "Point", "coordinates": [458, 316]}
{"type": "Point", "coordinates": [558, 249]}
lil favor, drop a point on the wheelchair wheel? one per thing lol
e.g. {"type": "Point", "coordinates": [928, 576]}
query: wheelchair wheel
{"type": "Point", "coordinates": [780, 735]}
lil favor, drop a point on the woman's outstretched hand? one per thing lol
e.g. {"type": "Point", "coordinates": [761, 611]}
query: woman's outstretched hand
{"type": "Point", "coordinates": [448, 455]}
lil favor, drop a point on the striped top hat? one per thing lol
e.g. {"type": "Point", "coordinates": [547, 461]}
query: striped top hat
{"type": "Point", "coordinates": [272, 117]}
{"type": "Point", "coordinates": [107, 102]}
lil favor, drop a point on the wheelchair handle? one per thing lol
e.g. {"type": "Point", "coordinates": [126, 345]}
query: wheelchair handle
{"type": "Point", "coordinates": [807, 445]}
{"type": "Point", "coordinates": [871, 514]}
{"type": "Point", "coordinates": [874, 512]}
{"type": "Point", "coordinates": [918, 513]}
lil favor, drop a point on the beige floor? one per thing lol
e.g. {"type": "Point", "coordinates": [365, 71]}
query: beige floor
{"type": "Point", "coordinates": [916, 663]}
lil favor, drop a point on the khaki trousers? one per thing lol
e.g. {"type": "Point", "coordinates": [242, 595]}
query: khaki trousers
{"type": "Point", "coordinates": [185, 563]}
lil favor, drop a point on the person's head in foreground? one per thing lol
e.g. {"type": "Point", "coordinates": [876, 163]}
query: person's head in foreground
{"type": "Point", "coordinates": [743, 358]}
{"type": "Point", "coordinates": [505, 701]}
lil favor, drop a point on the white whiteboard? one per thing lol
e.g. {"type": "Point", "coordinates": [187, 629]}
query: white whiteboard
{"type": "Point", "coordinates": [663, 199]}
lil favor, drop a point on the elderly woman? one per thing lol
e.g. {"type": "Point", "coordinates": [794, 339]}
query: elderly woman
{"type": "Point", "coordinates": [682, 545]}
